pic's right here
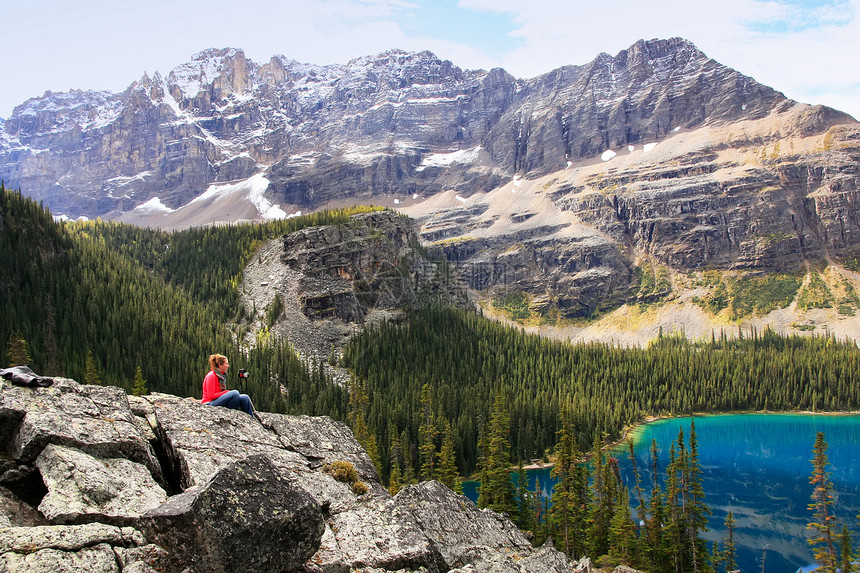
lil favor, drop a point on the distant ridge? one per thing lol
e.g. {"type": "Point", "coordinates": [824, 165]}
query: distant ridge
{"type": "Point", "coordinates": [370, 127]}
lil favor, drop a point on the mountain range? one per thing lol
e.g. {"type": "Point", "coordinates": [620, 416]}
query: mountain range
{"type": "Point", "coordinates": [626, 179]}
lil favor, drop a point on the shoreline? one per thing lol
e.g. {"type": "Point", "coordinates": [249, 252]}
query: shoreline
{"type": "Point", "coordinates": [649, 419]}
{"type": "Point", "coordinates": [625, 432]}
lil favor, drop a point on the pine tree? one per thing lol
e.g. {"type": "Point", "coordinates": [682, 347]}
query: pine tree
{"type": "Point", "coordinates": [695, 509]}
{"type": "Point", "coordinates": [846, 551]}
{"type": "Point", "coordinates": [639, 556]}
{"type": "Point", "coordinates": [822, 527]}
{"type": "Point", "coordinates": [564, 494]}
{"type": "Point", "coordinates": [728, 552]}
{"type": "Point", "coordinates": [675, 529]}
{"type": "Point", "coordinates": [91, 375]}
{"type": "Point", "coordinates": [497, 489]}
{"type": "Point", "coordinates": [603, 502]}
{"type": "Point", "coordinates": [484, 492]}
{"type": "Point", "coordinates": [395, 478]}
{"type": "Point", "coordinates": [16, 350]}
{"type": "Point", "coordinates": [359, 403]}
{"type": "Point", "coordinates": [447, 472]}
{"type": "Point", "coordinates": [139, 388]}
{"type": "Point", "coordinates": [394, 481]}
{"type": "Point", "coordinates": [426, 437]}
{"type": "Point", "coordinates": [525, 511]}
{"type": "Point", "coordinates": [539, 519]}
{"type": "Point", "coordinates": [622, 533]}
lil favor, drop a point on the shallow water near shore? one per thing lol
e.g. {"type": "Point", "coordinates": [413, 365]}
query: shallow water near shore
{"type": "Point", "coordinates": [756, 466]}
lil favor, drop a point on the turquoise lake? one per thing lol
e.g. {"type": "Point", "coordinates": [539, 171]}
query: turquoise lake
{"type": "Point", "coordinates": [757, 466]}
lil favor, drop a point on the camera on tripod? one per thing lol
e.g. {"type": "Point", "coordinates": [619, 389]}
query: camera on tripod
{"type": "Point", "coordinates": [243, 374]}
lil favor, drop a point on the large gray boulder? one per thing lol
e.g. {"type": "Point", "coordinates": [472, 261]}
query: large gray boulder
{"type": "Point", "coordinates": [94, 419]}
{"type": "Point", "coordinates": [196, 441]}
{"type": "Point", "coordinates": [250, 516]}
{"type": "Point", "coordinates": [82, 488]}
{"type": "Point", "coordinates": [476, 540]}
{"type": "Point", "coordinates": [456, 526]}
{"type": "Point", "coordinates": [94, 548]}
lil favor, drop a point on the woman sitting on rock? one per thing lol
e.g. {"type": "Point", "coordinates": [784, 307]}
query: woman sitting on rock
{"type": "Point", "coordinates": [215, 392]}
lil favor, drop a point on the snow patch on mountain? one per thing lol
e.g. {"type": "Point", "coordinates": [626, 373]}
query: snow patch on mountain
{"type": "Point", "coordinates": [153, 206]}
{"type": "Point", "coordinates": [258, 185]}
{"type": "Point", "coordinates": [253, 189]}
{"type": "Point", "coordinates": [447, 159]}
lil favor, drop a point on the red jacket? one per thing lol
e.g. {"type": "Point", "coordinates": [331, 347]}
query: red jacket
{"type": "Point", "coordinates": [211, 388]}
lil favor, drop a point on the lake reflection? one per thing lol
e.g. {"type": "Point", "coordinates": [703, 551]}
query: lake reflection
{"type": "Point", "coordinates": [757, 466]}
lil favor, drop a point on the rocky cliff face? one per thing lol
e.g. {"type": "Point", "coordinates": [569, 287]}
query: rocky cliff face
{"type": "Point", "coordinates": [334, 279]}
{"type": "Point", "coordinates": [93, 480]}
{"type": "Point", "coordinates": [774, 194]}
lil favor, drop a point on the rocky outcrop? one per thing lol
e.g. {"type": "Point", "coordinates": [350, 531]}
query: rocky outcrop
{"type": "Point", "coordinates": [83, 488]}
{"type": "Point", "coordinates": [250, 516]}
{"type": "Point", "coordinates": [333, 279]}
{"type": "Point", "coordinates": [92, 547]}
{"type": "Point", "coordinates": [374, 262]}
{"type": "Point", "coordinates": [580, 276]}
{"type": "Point", "coordinates": [193, 488]}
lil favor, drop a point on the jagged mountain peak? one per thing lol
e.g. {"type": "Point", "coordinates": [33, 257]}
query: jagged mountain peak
{"type": "Point", "coordinates": [224, 70]}
{"type": "Point", "coordinates": [398, 69]}
{"type": "Point", "coordinates": [217, 54]}
{"type": "Point", "coordinates": [394, 58]}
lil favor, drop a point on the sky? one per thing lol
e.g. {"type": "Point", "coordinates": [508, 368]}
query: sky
{"type": "Point", "coordinates": [809, 50]}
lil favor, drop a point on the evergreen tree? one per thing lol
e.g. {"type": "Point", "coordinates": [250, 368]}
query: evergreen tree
{"type": "Point", "coordinates": [717, 556]}
{"type": "Point", "coordinates": [16, 350]}
{"type": "Point", "coordinates": [484, 493]}
{"type": "Point", "coordinates": [823, 539]}
{"type": "Point", "coordinates": [657, 541]}
{"type": "Point", "coordinates": [675, 529]}
{"type": "Point", "coordinates": [395, 480]}
{"type": "Point", "coordinates": [602, 504]}
{"type": "Point", "coordinates": [426, 437]}
{"type": "Point", "coordinates": [641, 512]}
{"type": "Point", "coordinates": [395, 477]}
{"type": "Point", "coordinates": [539, 519]}
{"type": "Point", "coordinates": [846, 551]}
{"type": "Point", "coordinates": [91, 376]}
{"type": "Point", "coordinates": [447, 470]}
{"type": "Point", "coordinates": [497, 489]}
{"type": "Point", "coordinates": [525, 511]}
{"type": "Point", "coordinates": [139, 388]}
{"type": "Point", "coordinates": [562, 516]}
{"type": "Point", "coordinates": [728, 552]}
{"type": "Point", "coordinates": [358, 405]}
{"type": "Point", "coordinates": [622, 533]}
{"type": "Point", "coordinates": [695, 510]}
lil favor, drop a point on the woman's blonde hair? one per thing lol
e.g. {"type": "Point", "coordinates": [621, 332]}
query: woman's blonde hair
{"type": "Point", "coordinates": [216, 360]}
